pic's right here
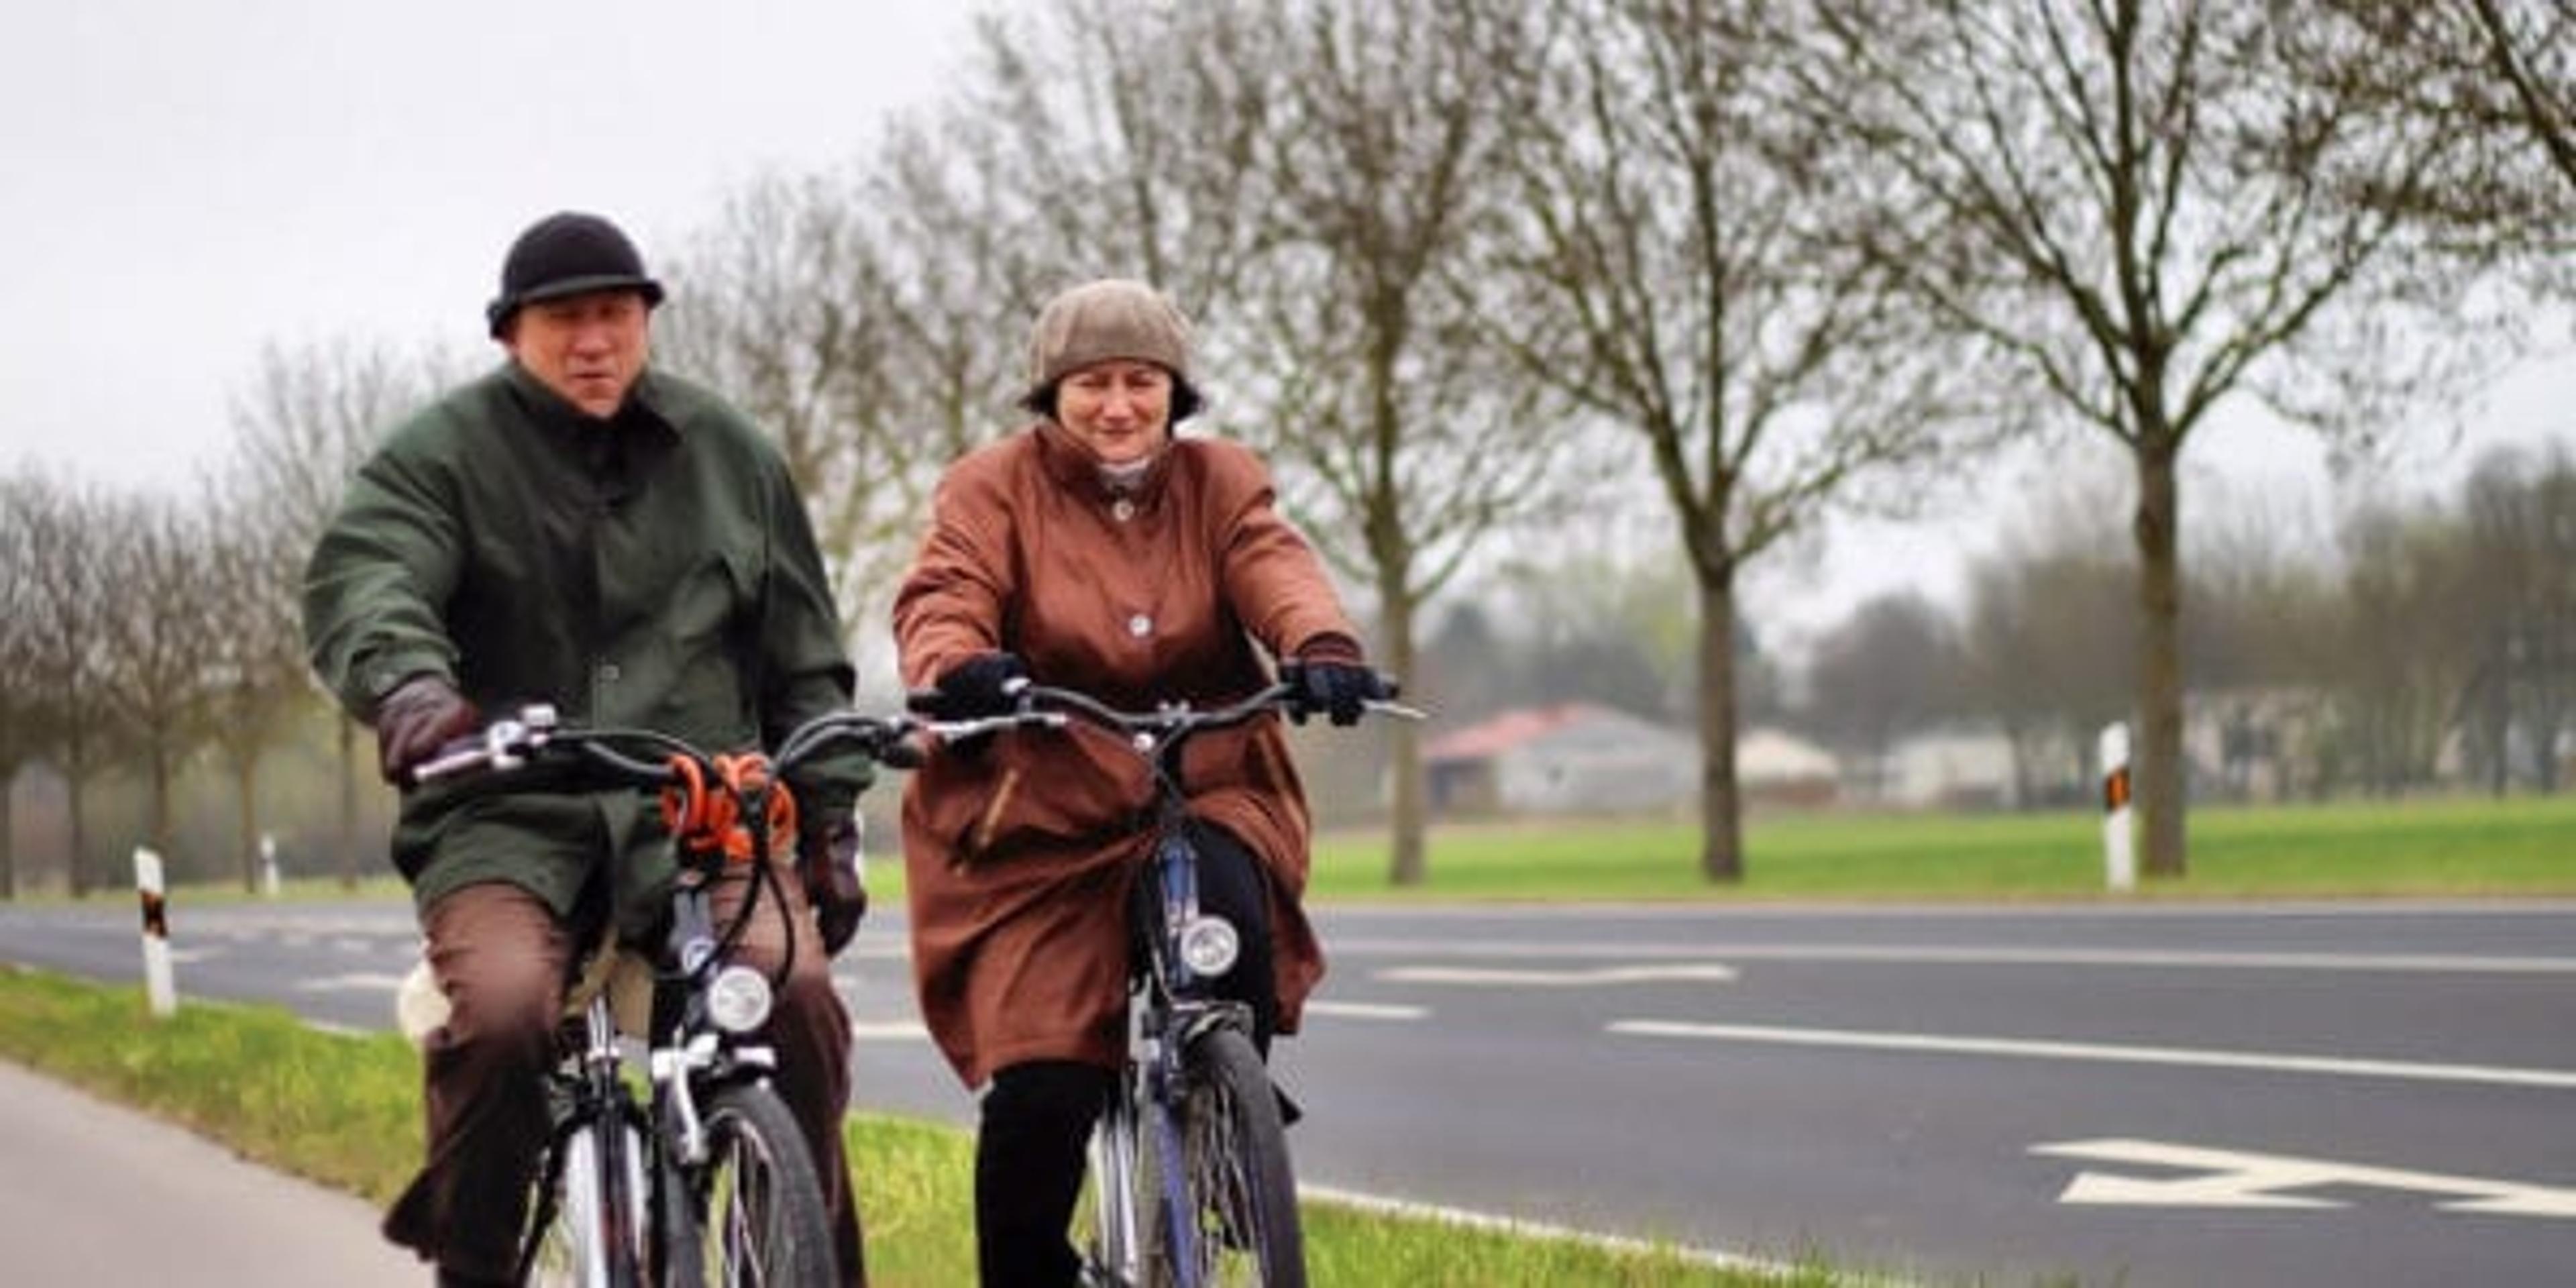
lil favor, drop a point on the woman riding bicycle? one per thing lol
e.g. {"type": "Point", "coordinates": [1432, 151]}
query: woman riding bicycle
{"type": "Point", "coordinates": [1095, 550]}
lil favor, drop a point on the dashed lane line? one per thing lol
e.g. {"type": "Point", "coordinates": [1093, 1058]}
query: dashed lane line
{"type": "Point", "coordinates": [1965, 955]}
{"type": "Point", "coordinates": [1367, 1010]}
{"type": "Point", "coordinates": [1679, 972]}
{"type": "Point", "coordinates": [2107, 1053]}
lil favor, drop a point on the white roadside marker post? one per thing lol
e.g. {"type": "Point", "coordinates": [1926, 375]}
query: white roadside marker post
{"type": "Point", "coordinates": [268, 865]}
{"type": "Point", "coordinates": [2119, 861]}
{"type": "Point", "coordinates": [157, 984]}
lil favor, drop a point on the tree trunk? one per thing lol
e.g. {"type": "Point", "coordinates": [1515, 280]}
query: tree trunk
{"type": "Point", "coordinates": [246, 819]}
{"type": "Point", "coordinates": [1404, 753]}
{"type": "Point", "coordinates": [73, 871]}
{"type": "Point", "coordinates": [1721, 852]}
{"type": "Point", "coordinates": [8, 836]}
{"type": "Point", "coordinates": [158, 822]}
{"type": "Point", "coordinates": [348, 803]}
{"type": "Point", "coordinates": [2159, 765]}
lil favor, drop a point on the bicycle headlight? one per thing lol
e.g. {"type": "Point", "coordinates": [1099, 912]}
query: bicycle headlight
{"type": "Point", "coordinates": [738, 999]}
{"type": "Point", "coordinates": [1209, 945]}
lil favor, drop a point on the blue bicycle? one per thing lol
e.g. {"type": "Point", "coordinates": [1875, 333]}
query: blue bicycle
{"type": "Point", "coordinates": [1190, 1181]}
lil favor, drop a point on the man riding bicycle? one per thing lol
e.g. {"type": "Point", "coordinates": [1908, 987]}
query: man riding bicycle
{"type": "Point", "coordinates": [1097, 550]}
{"type": "Point", "coordinates": [581, 529]}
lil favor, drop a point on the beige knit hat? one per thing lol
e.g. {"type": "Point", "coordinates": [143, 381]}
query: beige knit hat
{"type": "Point", "coordinates": [1100, 320]}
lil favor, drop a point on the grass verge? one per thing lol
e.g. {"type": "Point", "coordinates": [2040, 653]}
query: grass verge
{"type": "Point", "coordinates": [345, 1111]}
{"type": "Point", "coordinates": [2519, 846]}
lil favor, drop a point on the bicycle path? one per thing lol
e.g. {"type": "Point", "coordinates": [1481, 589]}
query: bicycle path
{"type": "Point", "coordinates": [97, 1194]}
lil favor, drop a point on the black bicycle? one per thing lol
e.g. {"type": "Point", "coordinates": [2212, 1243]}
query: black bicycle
{"type": "Point", "coordinates": [707, 1183]}
{"type": "Point", "coordinates": [1190, 1181]}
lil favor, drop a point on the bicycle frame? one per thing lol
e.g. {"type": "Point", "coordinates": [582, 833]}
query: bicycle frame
{"type": "Point", "coordinates": [637, 1217]}
{"type": "Point", "coordinates": [1171, 1008]}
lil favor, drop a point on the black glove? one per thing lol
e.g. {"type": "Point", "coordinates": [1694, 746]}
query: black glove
{"type": "Point", "coordinates": [1341, 690]}
{"type": "Point", "coordinates": [833, 864]}
{"type": "Point", "coordinates": [987, 684]}
{"type": "Point", "coordinates": [421, 715]}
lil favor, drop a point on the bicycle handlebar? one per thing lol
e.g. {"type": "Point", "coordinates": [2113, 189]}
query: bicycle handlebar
{"type": "Point", "coordinates": [511, 742]}
{"type": "Point", "coordinates": [1047, 706]}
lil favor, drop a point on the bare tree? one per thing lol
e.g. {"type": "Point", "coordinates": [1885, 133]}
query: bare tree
{"type": "Point", "coordinates": [1414, 443]}
{"type": "Point", "coordinates": [254, 646]}
{"type": "Point", "coordinates": [2501, 73]}
{"type": "Point", "coordinates": [870, 320]}
{"type": "Point", "coordinates": [2521, 613]}
{"type": "Point", "coordinates": [1684, 268]}
{"type": "Point", "coordinates": [24, 710]}
{"type": "Point", "coordinates": [2403, 662]}
{"type": "Point", "coordinates": [70, 605]}
{"type": "Point", "coordinates": [2047, 639]}
{"type": "Point", "coordinates": [1886, 671]}
{"type": "Point", "coordinates": [2144, 207]}
{"type": "Point", "coordinates": [309, 417]}
{"type": "Point", "coordinates": [155, 673]}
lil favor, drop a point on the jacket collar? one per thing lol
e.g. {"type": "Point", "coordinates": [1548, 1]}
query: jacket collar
{"type": "Point", "coordinates": [641, 412]}
{"type": "Point", "coordinates": [1076, 468]}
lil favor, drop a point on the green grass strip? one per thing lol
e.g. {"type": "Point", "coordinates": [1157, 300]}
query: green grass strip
{"type": "Point", "coordinates": [344, 1111]}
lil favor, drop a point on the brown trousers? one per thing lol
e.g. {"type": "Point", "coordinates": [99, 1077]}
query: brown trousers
{"type": "Point", "coordinates": [502, 958]}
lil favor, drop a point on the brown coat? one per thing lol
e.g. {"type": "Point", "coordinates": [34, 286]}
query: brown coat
{"type": "Point", "coordinates": [1018, 854]}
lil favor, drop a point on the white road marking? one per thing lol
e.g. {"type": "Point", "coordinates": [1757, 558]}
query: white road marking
{"type": "Point", "coordinates": [889, 1031]}
{"type": "Point", "coordinates": [1968, 955]}
{"type": "Point", "coordinates": [1367, 1010]}
{"type": "Point", "coordinates": [1705, 972]}
{"type": "Point", "coordinates": [2108, 1053]}
{"type": "Point", "coordinates": [2235, 1179]}
{"type": "Point", "coordinates": [353, 981]}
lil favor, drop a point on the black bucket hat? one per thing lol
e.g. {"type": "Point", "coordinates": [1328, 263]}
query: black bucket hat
{"type": "Point", "coordinates": [567, 254]}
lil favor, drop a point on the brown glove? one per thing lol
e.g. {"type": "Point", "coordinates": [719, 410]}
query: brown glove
{"type": "Point", "coordinates": [421, 715]}
{"type": "Point", "coordinates": [833, 863]}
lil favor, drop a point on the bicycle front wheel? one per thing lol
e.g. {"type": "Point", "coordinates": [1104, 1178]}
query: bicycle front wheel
{"type": "Point", "coordinates": [592, 1231]}
{"type": "Point", "coordinates": [756, 1203]}
{"type": "Point", "coordinates": [1236, 1188]}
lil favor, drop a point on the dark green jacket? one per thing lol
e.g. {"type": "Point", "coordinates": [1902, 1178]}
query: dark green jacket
{"type": "Point", "coordinates": [654, 570]}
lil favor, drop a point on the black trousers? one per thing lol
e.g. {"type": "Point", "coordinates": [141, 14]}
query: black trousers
{"type": "Point", "coordinates": [1037, 1115]}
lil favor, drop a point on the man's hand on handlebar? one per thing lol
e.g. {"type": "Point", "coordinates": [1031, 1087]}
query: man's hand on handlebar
{"type": "Point", "coordinates": [828, 855]}
{"type": "Point", "coordinates": [421, 715]}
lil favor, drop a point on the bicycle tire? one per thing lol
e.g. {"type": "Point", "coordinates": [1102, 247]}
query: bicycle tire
{"type": "Point", "coordinates": [755, 1206]}
{"type": "Point", "coordinates": [593, 1219]}
{"type": "Point", "coordinates": [1117, 1185]}
{"type": "Point", "coordinates": [1237, 1183]}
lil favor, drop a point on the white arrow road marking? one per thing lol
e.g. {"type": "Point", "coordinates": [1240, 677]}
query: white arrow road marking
{"type": "Point", "coordinates": [1706, 972]}
{"type": "Point", "coordinates": [2108, 1053]}
{"type": "Point", "coordinates": [1367, 1010]}
{"type": "Point", "coordinates": [353, 981]}
{"type": "Point", "coordinates": [2234, 1179]}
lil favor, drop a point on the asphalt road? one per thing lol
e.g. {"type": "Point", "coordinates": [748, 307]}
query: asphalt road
{"type": "Point", "coordinates": [2246, 1095]}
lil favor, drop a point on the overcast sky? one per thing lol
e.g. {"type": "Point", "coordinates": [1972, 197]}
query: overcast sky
{"type": "Point", "coordinates": [181, 183]}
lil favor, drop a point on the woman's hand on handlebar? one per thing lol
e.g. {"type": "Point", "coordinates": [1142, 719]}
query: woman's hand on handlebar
{"type": "Point", "coordinates": [1342, 691]}
{"type": "Point", "coordinates": [987, 684]}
